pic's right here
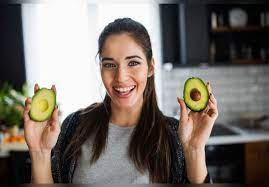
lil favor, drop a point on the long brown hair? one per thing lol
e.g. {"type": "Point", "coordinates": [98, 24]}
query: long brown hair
{"type": "Point", "coordinates": [149, 147]}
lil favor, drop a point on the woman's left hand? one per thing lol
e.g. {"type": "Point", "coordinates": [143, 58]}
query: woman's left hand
{"type": "Point", "coordinates": [195, 127]}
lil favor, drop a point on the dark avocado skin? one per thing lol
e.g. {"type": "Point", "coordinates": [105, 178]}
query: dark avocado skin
{"type": "Point", "coordinates": [185, 99]}
{"type": "Point", "coordinates": [35, 119]}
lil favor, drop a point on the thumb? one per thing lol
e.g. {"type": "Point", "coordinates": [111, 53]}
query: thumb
{"type": "Point", "coordinates": [27, 110]}
{"type": "Point", "coordinates": [183, 111]}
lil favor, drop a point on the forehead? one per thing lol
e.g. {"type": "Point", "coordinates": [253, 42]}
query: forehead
{"type": "Point", "coordinates": [121, 45]}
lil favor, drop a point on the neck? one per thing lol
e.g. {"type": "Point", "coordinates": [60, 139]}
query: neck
{"type": "Point", "coordinates": [126, 117]}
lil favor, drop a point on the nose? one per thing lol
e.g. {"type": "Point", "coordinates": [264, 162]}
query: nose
{"type": "Point", "coordinates": [121, 74]}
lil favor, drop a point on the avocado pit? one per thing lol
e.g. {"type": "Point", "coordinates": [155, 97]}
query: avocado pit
{"type": "Point", "coordinates": [195, 94]}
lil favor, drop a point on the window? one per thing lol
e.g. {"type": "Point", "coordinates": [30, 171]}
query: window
{"type": "Point", "coordinates": [61, 43]}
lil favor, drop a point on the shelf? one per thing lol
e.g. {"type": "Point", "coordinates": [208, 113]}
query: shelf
{"type": "Point", "coordinates": [240, 29]}
{"type": "Point", "coordinates": [252, 61]}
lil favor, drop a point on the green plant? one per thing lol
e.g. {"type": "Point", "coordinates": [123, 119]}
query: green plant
{"type": "Point", "coordinates": [11, 105]}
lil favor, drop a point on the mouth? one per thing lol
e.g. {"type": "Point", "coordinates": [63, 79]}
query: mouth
{"type": "Point", "coordinates": [124, 92]}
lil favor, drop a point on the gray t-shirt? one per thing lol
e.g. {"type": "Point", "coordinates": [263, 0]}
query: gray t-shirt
{"type": "Point", "coordinates": [113, 165]}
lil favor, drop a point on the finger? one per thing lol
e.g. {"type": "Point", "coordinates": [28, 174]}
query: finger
{"type": "Point", "coordinates": [53, 87]}
{"type": "Point", "coordinates": [183, 110]}
{"type": "Point", "coordinates": [211, 95]}
{"type": "Point", "coordinates": [28, 101]}
{"type": "Point", "coordinates": [213, 99]}
{"type": "Point", "coordinates": [213, 113]}
{"type": "Point", "coordinates": [209, 87]}
{"type": "Point", "coordinates": [213, 110]}
{"type": "Point", "coordinates": [36, 88]}
{"type": "Point", "coordinates": [55, 119]}
{"type": "Point", "coordinates": [27, 109]}
{"type": "Point", "coordinates": [211, 105]}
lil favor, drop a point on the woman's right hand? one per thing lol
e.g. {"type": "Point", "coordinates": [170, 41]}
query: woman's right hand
{"type": "Point", "coordinates": [41, 136]}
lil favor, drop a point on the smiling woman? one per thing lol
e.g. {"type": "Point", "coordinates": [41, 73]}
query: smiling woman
{"type": "Point", "coordinates": [127, 71]}
{"type": "Point", "coordinates": [125, 138]}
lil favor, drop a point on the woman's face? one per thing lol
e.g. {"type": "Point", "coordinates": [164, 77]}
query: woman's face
{"type": "Point", "coordinates": [124, 70]}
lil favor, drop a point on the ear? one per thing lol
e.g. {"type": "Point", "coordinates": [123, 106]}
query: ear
{"type": "Point", "coordinates": [151, 68]}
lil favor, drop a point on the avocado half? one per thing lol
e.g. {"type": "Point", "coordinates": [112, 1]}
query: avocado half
{"type": "Point", "coordinates": [43, 104]}
{"type": "Point", "coordinates": [195, 94]}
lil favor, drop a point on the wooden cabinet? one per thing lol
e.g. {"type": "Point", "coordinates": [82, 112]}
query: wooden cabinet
{"type": "Point", "coordinates": [257, 162]}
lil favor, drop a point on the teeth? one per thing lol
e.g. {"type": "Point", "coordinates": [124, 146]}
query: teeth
{"type": "Point", "coordinates": [124, 89]}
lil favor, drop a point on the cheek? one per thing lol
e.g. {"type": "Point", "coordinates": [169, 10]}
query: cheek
{"type": "Point", "coordinates": [141, 78]}
{"type": "Point", "coordinates": [107, 78]}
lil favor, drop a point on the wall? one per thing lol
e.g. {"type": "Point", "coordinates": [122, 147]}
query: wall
{"type": "Point", "coordinates": [238, 89]}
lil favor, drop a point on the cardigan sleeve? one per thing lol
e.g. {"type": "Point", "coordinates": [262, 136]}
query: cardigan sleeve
{"type": "Point", "coordinates": [58, 150]}
{"type": "Point", "coordinates": [178, 168]}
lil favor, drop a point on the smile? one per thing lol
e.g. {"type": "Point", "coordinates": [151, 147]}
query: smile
{"type": "Point", "coordinates": [124, 91]}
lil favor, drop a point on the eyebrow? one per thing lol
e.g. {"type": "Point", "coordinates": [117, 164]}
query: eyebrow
{"type": "Point", "coordinates": [107, 58]}
{"type": "Point", "coordinates": [134, 56]}
{"type": "Point", "coordinates": [127, 58]}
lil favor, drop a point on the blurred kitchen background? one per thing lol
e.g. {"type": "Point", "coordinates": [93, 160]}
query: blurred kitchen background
{"type": "Point", "coordinates": [223, 42]}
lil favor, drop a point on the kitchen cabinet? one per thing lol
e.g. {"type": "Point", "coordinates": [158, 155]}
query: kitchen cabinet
{"type": "Point", "coordinates": [207, 32]}
{"type": "Point", "coordinates": [239, 163]}
{"type": "Point", "coordinates": [169, 16]}
{"type": "Point", "coordinates": [15, 168]}
{"type": "Point", "coordinates": [5, 170]}
{"type": "Point", "coordinates": [225, 163]}
{"type": "Point", "coordinates": [184, 34]}
{"type": "Point", "coordinates": [12, 62]}
{"type": "Point", "coordinates": [238, 33]}
{"type": "Point", "coordinates": [257, 162]}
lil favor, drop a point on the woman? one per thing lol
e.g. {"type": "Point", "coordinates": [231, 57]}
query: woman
{"type": "Point", "coordinates": [126, 138]}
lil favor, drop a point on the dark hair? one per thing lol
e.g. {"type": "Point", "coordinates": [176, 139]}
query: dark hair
{"type": "Point", "coordinates": [149, 147]}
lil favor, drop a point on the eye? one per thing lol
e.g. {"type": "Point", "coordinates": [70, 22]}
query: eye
{"type": "Point", "coordinates": [133, 63]}
{"type": "Point", "coordinates": [109, 65]}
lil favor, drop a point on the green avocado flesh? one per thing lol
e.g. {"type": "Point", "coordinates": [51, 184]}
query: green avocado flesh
{"type": "Point", "coordinates": [43, 104]}
{"type": "Point", "coordinates": [195, 94]}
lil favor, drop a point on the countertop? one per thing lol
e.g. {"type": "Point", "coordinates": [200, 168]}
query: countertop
{"type": "Point", "coordinates": [242, 136]}
{"type": "Point", "coordinates": [6, 148]}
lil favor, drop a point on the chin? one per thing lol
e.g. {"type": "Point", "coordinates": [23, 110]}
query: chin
{"type": "Point", "coordinates": [126, 103]}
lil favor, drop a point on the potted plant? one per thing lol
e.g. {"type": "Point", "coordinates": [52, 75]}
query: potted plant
{"type": "Point", "coordinates": [11, 108]}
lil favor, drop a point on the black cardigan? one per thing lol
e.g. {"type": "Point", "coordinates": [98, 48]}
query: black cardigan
{"type": "Point", "coordinates": [62, 171]}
